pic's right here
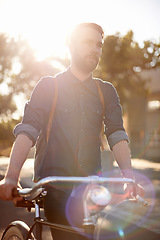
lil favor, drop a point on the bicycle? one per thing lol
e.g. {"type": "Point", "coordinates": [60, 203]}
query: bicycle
{"type": "Point", "coordinates": [96, 198]}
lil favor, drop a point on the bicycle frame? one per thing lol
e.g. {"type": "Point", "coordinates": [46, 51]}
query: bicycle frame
{"type": "Point", "coordinates": [39, 223]}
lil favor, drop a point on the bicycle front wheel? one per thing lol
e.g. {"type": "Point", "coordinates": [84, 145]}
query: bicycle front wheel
{"type": "Point", "coordinates": [17, 230]}
{"type": "Point", "coordinates": [117, 222]}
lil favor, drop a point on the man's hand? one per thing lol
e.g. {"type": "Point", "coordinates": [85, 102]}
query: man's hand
{"type": "Point", "coordinates": [6, 190]}
{"type": "Point", "coordinates": [129, 191]}
{"type": "Point", "coordinates": [19, 155]}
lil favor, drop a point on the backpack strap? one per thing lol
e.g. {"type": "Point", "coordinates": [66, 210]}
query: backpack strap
{"type": "Point", "coordinates": [53, 108]}
{"type": "Point", "coordinates": [103, 112]}
{"type": "Point", "coordinates": [101, 97]}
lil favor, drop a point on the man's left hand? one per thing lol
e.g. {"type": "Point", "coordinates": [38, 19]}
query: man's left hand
{"type": "Point", "coordinates": [129, 191]}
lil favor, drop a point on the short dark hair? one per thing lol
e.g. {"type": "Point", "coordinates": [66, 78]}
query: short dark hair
{"type": "Point", "coordinates": [83, 25]}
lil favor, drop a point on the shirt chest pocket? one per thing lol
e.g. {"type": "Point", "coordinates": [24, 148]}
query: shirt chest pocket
{"type": "Point", "coordinates": [64, 104]}
{"type": "Point", "coordinates": [67, 117]}
{"type": "Point", "coordinates": [94, 114]}
{"type": "Point", "coordinates": [66, 111]}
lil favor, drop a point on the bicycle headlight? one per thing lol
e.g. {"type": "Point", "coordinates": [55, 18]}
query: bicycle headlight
{"type": "Point", "coordinates": [98, 197]}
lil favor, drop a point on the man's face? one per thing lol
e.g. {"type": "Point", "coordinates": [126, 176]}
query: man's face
{"type": "Point", "coordinates": [87, 49]}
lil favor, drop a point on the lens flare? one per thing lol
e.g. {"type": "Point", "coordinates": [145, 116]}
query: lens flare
{"type": "Point", "coordinates": [123, 216]}
{"type": "Point", "coordinates": [121, 233]}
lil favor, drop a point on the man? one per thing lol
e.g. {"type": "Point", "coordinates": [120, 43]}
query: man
{"type": "Point", "coordinates": [74, 144]}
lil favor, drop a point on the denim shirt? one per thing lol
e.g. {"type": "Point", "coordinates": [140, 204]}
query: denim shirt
{"type": "Point", "coordinates": [74, 144]}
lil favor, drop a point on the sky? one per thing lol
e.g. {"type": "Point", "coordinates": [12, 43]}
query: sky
{"type": "Point", "coordinates": [47, 23]}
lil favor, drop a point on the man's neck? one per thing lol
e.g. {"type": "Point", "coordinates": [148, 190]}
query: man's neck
{"type": "Point", "coordinates": [82, 76]}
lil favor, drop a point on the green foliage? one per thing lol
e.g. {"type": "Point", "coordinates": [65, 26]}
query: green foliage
{"type": "Point", "coordinates": [6, 133]}
{"type": "Point", "coordinates": [19, 71]}
{"type": "Point", "coordinates": [7, 53]}
{"type": "Point", "coordinates": [6, 108]}
{"type": "Point", "coordinates": [122, 61]}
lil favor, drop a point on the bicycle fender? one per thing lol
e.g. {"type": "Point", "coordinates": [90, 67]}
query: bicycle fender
{"type": "Point", "coordinates": [22, 226]}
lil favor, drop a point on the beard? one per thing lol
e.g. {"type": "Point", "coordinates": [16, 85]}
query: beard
{"type": "Point", "coordinates": [86, 64]}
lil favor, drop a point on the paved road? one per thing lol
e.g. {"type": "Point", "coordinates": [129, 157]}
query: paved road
{"type": "Point", "coordinates": [150, 229]}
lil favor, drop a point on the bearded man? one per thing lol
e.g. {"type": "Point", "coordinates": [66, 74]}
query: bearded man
{"type": "Point", "coordinates": [74, 144]}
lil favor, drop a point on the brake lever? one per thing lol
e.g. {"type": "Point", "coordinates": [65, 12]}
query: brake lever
{"type": "Point", "coordinates": [139, 199]}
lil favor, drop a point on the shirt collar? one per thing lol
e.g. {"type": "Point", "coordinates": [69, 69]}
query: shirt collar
{"type": "Point", "coordinates": [73, 79]}
{"type": "Point", "coordinates": [88, 83]}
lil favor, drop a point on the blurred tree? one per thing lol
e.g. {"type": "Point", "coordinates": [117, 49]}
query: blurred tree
{"type": "Point", "coordinates": [7, 53]}
{"type": "Point", "coordinates": [6, 136]}
{"type": "Point", "coordinates": [121, 63]}
{"type": "Point", "coordinates": [123, 59]}
{"type": "Point", "coordinates": [19, 71]}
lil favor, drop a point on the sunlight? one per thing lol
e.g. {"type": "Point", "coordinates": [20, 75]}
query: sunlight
{"type": "Point", "coordinates": [16, 66]}
{"type": "Point", "coordinates": [46, 29]}
{"type": "Point", "coordinates": [154, 105]}
{"type": "Point", "coordinates": [20, 101]}
{"type": "Point", "coordinates": [47, 23]}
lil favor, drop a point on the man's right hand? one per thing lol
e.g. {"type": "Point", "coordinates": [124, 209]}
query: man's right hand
{"type": "Point", "coordinates": [6, 190]}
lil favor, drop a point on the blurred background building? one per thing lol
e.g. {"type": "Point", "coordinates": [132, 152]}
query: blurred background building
{"type": "Point", "coordinates": [144, 126]}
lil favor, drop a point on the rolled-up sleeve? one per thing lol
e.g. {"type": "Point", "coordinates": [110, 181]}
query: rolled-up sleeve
{"type": "Point", "coordinates": [114, 131]}
{"type": "Point", "coordinates": [27, 130]}
{"type": "Point", "coordinates": [36, 110]}
{"type": "Point", "coordinates": [117, 137]}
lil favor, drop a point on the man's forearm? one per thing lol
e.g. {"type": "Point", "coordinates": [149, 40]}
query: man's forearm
{"type": "Point", "coordinates": [19, 154]}
{"type": "Point", "coordinates": [122, 156]}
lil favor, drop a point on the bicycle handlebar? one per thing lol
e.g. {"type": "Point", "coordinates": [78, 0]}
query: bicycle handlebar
{"type": "Point", "coordinates": [31, 192]}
